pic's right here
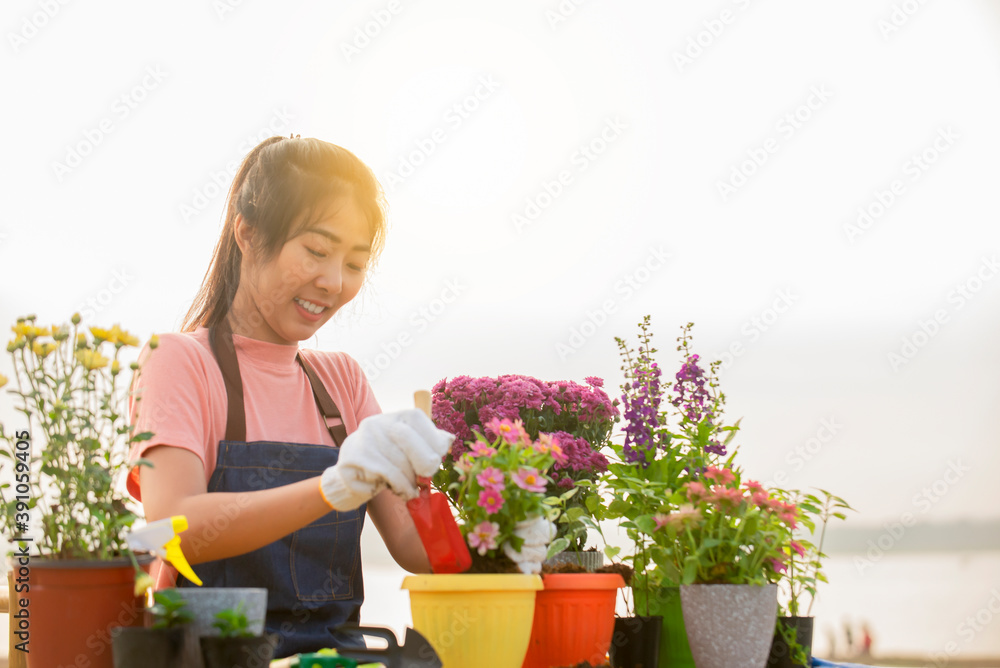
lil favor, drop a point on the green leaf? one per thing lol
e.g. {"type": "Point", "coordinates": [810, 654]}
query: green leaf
{"type": "Point", "coordinates": [557, 546]}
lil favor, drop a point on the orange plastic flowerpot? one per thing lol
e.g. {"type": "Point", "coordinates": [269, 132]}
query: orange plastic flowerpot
{"type": "Point", "coordinates": [72, 607]}
{"type": "Point", "coordinates": [574, 619]}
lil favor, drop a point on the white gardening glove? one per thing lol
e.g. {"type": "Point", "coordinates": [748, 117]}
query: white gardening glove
{"type": "Point", "coordinates": [537, 533]}
{"type": "Point", "coordinates": [388, 449]}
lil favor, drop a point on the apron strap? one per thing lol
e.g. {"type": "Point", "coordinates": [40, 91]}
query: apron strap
{"type": "Point", "coordinates": [327, 406]}
{"type": "Point", "coordinates": [221, 339]}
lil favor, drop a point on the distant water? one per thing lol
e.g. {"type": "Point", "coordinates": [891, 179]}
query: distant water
{"type": "Point", "coordinates": [944, 605]}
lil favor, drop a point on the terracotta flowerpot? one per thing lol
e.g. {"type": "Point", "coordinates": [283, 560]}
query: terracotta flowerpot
{"type": "Point", "coordinates": [730, 625]}
{"type": "Point", "coordinates": [474, 619]}
{"type": "Point", "coordinates": [574, 619]}
{"type": "Point", "coordinates": [72, 607]}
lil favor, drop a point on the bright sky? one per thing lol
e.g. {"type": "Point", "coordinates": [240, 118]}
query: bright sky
{"type": "Point", "coordinates": [555, 171]}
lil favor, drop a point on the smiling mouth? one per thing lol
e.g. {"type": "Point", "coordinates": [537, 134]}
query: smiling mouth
{"type": "Point", "coordinates": [315, 309]}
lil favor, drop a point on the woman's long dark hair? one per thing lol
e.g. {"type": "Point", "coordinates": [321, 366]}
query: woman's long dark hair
{"type": "Point", "coordinates": [281, 181]}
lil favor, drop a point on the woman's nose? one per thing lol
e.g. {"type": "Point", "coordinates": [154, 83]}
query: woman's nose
{"type": "Point", "coordinates": [330, 279]}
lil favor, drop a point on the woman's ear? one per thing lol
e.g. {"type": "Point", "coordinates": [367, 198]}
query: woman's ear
{"type": "Point", "coordinates": [243, 234]}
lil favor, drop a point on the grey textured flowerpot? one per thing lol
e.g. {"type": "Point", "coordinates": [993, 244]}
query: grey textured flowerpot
{"type": "Point", "coordinates": [204, 602]}
{"type": "Point", "coordinates": [730, 625]}
{"type": "Point", "coordinates": [589, 560]}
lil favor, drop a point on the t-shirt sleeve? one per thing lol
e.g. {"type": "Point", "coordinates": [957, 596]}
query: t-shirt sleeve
{"type": "Point", "coordinates": [170, 397]}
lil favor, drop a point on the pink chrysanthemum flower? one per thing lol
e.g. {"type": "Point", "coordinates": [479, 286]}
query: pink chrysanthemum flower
{"type": "Point", "coordinates": [484, 537]}
{"type": "Point", "coordinates": [529, 479]}
{"type": "Point", "coordinates": [480, 449]}
{"type": "Point", "coordinates": [491, 499]}
{"type": "Point", "coordinates": [721, 476]}
{"type": "Point", "coordinates": [695, 491]}
{"type": "Point", "coordinates": [491, 476]}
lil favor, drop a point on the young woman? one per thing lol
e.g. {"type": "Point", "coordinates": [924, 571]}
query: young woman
{"type": "Point", "coordinates": [274, 453]}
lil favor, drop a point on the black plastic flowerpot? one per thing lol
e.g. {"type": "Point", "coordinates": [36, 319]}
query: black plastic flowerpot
{"type": "Point", "coordinates": [252, 652]}
{"type": "Point", "coordinates": [636, 642]}
{"type": "Point", "coordinates": [156, 648]}
{"type": "Point", "coordinates": [781, 656]}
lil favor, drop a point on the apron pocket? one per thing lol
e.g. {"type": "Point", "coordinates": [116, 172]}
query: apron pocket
{"type": "Point", "coordinates": [324, 558]}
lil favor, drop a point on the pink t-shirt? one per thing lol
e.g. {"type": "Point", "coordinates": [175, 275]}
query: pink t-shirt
{"type": "Point", "coordinates": [180, 396]}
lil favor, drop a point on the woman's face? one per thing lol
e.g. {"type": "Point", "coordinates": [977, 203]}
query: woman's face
{"type": "Point", "coordinates": [288, 298]}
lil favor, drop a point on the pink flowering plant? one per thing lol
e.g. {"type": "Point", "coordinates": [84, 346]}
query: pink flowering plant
{"type": "Point", "coordinates": [672, 484]}
{"type": "Point", "coordinates": [719, 530]}
{"type": "Point", "coordinates": [502, 481]}
{"type": "Point", "coordinates": [580, 418]}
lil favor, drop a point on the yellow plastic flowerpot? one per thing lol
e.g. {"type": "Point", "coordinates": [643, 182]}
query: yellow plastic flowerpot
{"type": "Point", "coordinates": [480, 620]}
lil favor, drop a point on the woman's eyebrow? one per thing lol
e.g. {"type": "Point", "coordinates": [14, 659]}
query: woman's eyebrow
{"type": "Point", "coordinates": [335, 239]}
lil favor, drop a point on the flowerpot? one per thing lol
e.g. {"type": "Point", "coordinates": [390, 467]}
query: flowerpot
{"type": "Point", "coordinates": [177, 647]}
{"type": "Point", "coordinates": [665, 602]}
{"type": "Point", "coordinates": [574, 619]}
{"type": "Point", "coordinates": [481, 620]}
{"type": "Point", "coordinates": [74, 605]}
{"type": "Point", "coordinates": [636, 642]}
{"type": "Point", "coordinates": [730, 625]}
{"type": "Point", "coordinates": [781, 656]}
{"type": "Point", "coordinates": [204, 602]}
{"type": "Point", "coordinates": [252, 652]}
{"type": "Point", "coordinates": [591, 560]}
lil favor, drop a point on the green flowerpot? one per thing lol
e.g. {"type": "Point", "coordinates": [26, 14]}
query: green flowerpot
{"type": "Point", "coordinates": [675, 652]}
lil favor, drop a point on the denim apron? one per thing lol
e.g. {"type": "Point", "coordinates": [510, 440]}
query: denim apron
{"type": "Point", "coordinates": [313, 575]}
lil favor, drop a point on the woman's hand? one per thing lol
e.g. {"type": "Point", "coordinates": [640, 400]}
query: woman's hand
{"type": "Point", "coordinates": [386, 450]}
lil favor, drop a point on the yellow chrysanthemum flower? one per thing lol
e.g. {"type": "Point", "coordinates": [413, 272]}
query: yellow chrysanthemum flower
{"type": "Point", "coordinates": [81, 340]}
{"type": "Point", "coordinates": [100, 334]}
{"type": "Point", "coordinates": [91, 359]}
{"type": "Point", "coordinates": [28, 331]}
{"type": "Point", "coordinates": [3, 380]}
{"type": "Point", "coordinates": [115, 368]}
{"type": "Point", "coordinates": [122, 337]}
{"type": "Point", "coordinates": [42, 350]}
{"type": "Point", "coordinates": [154, 341]}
